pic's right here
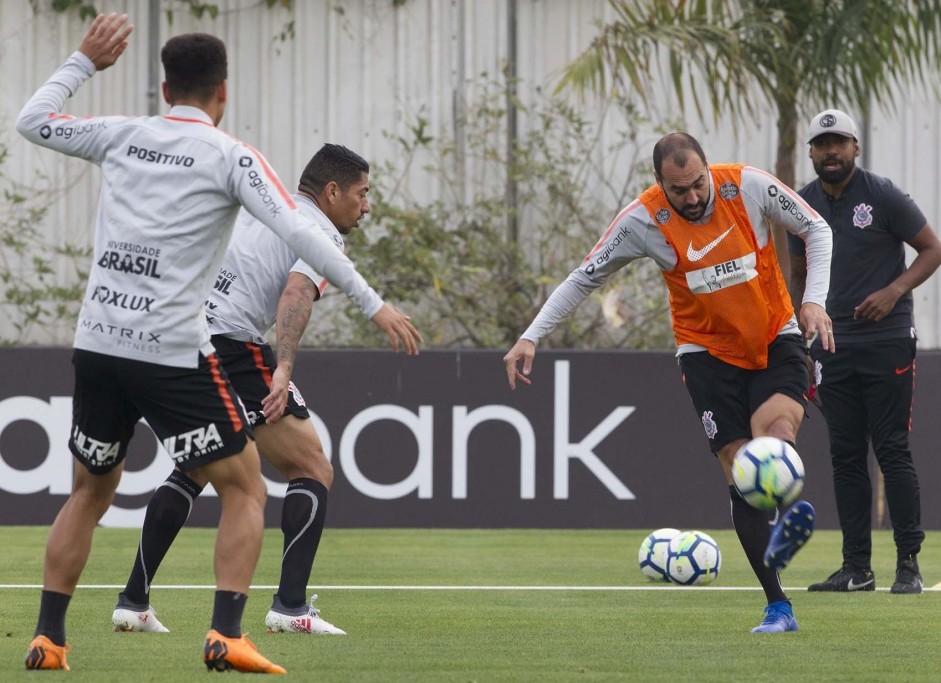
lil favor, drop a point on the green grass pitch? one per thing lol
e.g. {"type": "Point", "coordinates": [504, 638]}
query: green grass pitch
{"type": "Point", "coordinates": [479, 605]}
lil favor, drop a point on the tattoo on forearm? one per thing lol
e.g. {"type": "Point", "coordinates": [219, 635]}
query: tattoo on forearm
{"type": "Point", "coordinates": [292, 319]}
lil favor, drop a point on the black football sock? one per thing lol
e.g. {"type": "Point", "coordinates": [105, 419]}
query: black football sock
{"type": "Point", "coordinates": [227, 613]}
{"type": "Point", "coordinates": [52, 607]}
{"type": "Point", "coordinates": [754, 532]}
{"type": "Point", "coordinates": [167, 512]}
{"type": "Point", "coordinates": [302, 520]}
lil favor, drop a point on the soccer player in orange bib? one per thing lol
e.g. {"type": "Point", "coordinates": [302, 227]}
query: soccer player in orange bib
{"type": "Point", "coordinates": [739, 346]}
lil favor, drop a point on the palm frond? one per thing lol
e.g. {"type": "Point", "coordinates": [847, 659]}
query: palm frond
{"type": "Point", "coordinates": [698, 47]}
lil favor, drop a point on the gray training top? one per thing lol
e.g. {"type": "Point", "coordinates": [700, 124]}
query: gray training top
{"type": "Point", "coordinates": [871, 222]}
{"type": "Point", "coordinates": [171, 191]}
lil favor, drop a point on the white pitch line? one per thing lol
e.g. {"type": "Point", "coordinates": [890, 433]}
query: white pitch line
{"type": "Point", "coordinates": [417, 588]}
{"type": "Point", "coordinates": [450, 588]}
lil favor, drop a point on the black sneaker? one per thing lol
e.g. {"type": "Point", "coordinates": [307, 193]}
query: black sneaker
{"type": "Point", "coordinates": [907, 577]}
{"type": "Point", "coordinates": [847, 578]}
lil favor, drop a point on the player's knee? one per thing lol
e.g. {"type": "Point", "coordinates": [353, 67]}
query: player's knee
{"type": "Point", "coordinates": [248, 488]}
{"type": "Point", "coordinates": [259, 491]}
{"type": "Point", "coordinates": [93, 501]}
{"type": "Point", "coordinates": [726, 454]}
{"type": "Point", "coordinates": [309, 463]}
{"type": "Point", "coordinates": [318, 467]}
{"type": "Point", "coordinates": [782, 427]}
{"type": "Point", "coordinates": [325, 474]}
{"type": "Point", "coordinates": [94, 493]}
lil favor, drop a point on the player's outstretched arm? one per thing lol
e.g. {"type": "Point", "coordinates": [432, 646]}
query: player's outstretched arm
{"type": "Point", "coordinates": [258, 188]}
{"type": "Point", "coordinates": [106, 39]}
{"type": "Point", "coordinates": [525, 351]}
{"type": "Point", "coordinates": [399, 328]}
{"type": "Point", "coordinates": [294, 308]}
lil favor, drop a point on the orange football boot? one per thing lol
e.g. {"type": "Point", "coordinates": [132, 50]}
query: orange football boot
{"type": "Point", "coordinates": [236, 654]}
{"type": "Point", "coordinates": [44, 654]}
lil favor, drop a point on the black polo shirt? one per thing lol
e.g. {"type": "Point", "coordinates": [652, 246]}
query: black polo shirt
{"type": "Point", "coordinates": [871, 222]}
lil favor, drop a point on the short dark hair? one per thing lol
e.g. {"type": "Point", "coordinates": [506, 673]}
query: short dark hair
{"type": "Point", "coordinates": [675, 146]}
{"type": "Point", "coordinates": [332, 163]}
{"type": "Point", "coordinates": [194, 64]}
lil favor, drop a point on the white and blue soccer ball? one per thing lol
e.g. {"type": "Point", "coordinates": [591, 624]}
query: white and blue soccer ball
{"type": "Point", "coordinates": [768, 473]}
{"type": "Point", "coordinates": [653, 552]}
{"type": "Point", "coordinates": [693, 558]}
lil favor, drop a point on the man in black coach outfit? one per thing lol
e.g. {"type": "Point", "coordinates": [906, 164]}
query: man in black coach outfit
{"type": "Point", "coordinates": [866, 386]}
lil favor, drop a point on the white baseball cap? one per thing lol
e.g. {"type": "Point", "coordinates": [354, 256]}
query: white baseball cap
{"type": "Point", "coordinates": [832, 121]}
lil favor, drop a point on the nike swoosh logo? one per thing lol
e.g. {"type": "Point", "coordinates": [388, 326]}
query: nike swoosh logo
{"type": "Point", "coordinates": [853, 586]}
{"type": "Point", "coordinates": [697, 254]}
{"type": "Point", "coordinates": [902, 371]}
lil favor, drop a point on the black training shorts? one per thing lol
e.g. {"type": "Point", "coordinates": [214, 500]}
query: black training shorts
{"type": "Point", "coordinates": [726, 396]}
{"type": "Point", "coordinates": [194, 412]}
{"type": "Point", "coordinates": [249, 367]}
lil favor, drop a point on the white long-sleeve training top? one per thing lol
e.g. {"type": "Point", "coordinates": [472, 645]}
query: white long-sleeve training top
{"type": "Point", "coordinates": [243, 302]}
{"type": "Point", "coordinates": [634, 234]}
{"type": "Point", "coordinates": [171, 190]}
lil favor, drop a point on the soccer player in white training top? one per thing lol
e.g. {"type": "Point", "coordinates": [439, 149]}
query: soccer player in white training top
{"type": "Point", "coordinates": [171, 190]}
{"type": "Point", "coordinates": [262, 283]}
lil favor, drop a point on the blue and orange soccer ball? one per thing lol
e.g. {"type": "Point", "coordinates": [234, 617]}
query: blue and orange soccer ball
{"type": "Point", "coordinates": [768, 473]}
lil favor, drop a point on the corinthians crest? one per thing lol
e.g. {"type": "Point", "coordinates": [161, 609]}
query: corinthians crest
{"type": "Point", "coordinates": [728, 190]}
{"type": "Point", "coordinates": [862, 216]}
{"type": "Point", "coordinates": [709, 424]}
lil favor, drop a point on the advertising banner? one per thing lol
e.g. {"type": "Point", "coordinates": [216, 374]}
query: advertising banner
{"type": "Point", "coordinates": [600, 440]}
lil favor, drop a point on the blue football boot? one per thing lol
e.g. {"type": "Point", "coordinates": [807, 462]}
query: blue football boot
{"type": "Point", "coordinates": [789, 534]}
{"type": "Point", "coordinates": [779, 617]}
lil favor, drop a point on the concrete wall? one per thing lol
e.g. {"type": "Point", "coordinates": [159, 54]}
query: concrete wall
{"type": "Point", "coordinates": [358, 73]}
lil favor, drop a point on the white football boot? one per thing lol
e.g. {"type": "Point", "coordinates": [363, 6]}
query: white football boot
{"type": "Point", "coordinates": [304, 619]}
{"type": "Point", "coordinates": [131, 620]}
